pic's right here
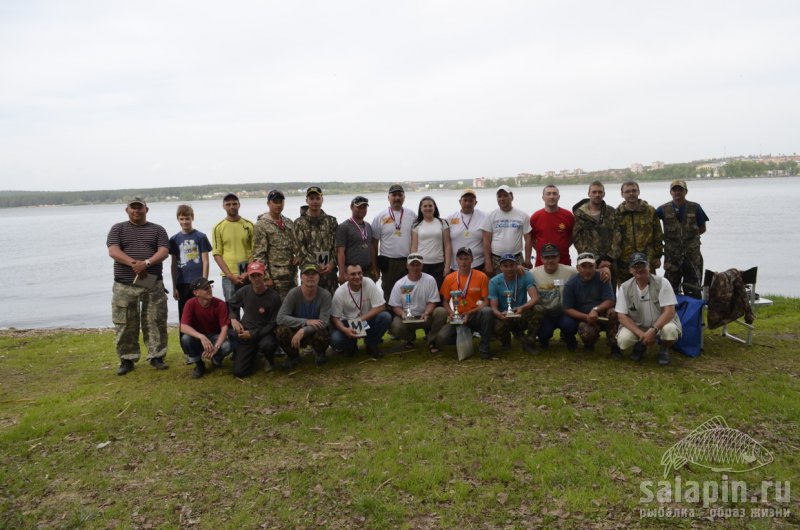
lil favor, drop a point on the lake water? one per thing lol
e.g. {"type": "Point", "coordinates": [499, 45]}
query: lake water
{"type": "Point", "coordinates": [57, 272]}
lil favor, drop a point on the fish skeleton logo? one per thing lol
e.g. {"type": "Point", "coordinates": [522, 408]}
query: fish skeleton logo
{"type": "Point", "coordinates": [718, 447]}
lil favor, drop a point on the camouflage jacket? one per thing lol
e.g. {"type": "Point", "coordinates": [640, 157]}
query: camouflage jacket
{"type": "Point", "coordinates": [681, 238]}
{"type": "Point", "coordinates": [274, 246]}
{"type": "Point", "coordinates": [315, 235]}
{"type": "Point", "coordinates": [595, 234]}
{"type": "Point", "coordinates": [639, 230]}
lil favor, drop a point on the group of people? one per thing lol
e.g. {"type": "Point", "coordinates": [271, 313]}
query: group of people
{"type": "Point", "coordinates": [469, 269]}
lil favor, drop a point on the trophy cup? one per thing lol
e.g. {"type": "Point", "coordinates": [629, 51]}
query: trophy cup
{"type": "Point", "coordinates": [408, 317]}
{"type": "Point", "coordinates": [510, 312]}
{"type": "Point", "coordinates": [456, 319]}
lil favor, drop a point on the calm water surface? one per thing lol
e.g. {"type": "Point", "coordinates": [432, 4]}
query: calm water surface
{"type": "Point", "coordinates": [57, 272]}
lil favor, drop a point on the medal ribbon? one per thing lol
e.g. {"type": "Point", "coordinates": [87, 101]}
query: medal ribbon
{"type": "Point", "coordinates": [516, 278]}
{"type": "Point", "coordinates": [466, 286]}
{"type": "Point", "coordinates": [360, 231]}
{"type": "Point", "coordinates": [360, 298]}
{"type": "Point", "coordinates": [396, 224]}
{"type": "Point", "coordinates": [466, 224]}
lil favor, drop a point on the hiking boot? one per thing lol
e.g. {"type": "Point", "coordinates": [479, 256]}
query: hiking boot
{"type": "Point", "coordinates": [291, 362]}
{"type": "Point", "coordinates": [158, 363]}
{"type": "Point", "coordinates": [216, 361]}
{"type": "Point", "coordinates": [374, 352]}
{"type": "Point", "coordinates": [616, 353]}
{"type": "Point", "coordinates": [199, 370]}
{"type": "Point", "coordinates": [125, 366]}
{"type": "Point", "coordinates": [663, 357]}
{"type": "Point", "coordinates": [486, 354]}
{"type": "Point", "coordinates": [529, 346]}
{"type": "Point", "coordinates": [319, 358]}
{"type": "Point", "coordinates": [638, 351]}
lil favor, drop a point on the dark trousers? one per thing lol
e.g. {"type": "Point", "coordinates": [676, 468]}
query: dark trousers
{"type": "Point", "coordinates": [193, 348]}
{"type": "Point", "coordinates": [436, 270]}
{"type": "Point", "coordinates": [247, 352]}
{"type": "Point", "coordinates": [548, 325]}
{"type": "Point", "coordinates": [392, 269]}
{"type": "Point", "coordinates": [184, 295]}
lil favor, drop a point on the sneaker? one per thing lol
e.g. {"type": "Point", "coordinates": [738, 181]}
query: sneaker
{"type": "Point", "coordinates": [638, 351]}
{"type": "Point", "coordinates": [279, 352]}
{"type": "Point", "coordinates": [308, 350]}
{"type": "Point", "coordinates": [476, 335]}
{"type": "Point", "coordinates": [125, 366]}
{"type": "Point", "coordinates": [199, 370]}
{"type": "Point", "coordinates": [663, 357]}
{"type": "Point", "coordinates": [319, 358]}
{"type": "Point", "coordinates": [616, 353]}
{"type": "Point", "coordinates": [158, 363]}
{"type": "Point", "coordinates": [374, 352]}
{"type": "Point", "coordinates": [216, 361]}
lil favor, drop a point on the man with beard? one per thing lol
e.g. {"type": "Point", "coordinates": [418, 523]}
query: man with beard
{"type": "Point", "coordinates": [391, 233]}
{"type": "Point", "coordinates": [465, 231]}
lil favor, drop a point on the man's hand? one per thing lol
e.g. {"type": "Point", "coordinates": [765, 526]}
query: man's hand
{"type": "Point", "coordinates": [342, 277]}
{"type": "Point", "coordinates": [605, 274]}
{"type": "Point", "coordinates": [297, 338]}
{"type": "Point", "coordinates": [488, 269]}
{"type": "Point", "coordinates": [315, 323]}
{"type": "Point", "coordinates": [235, 278]}
{"type": "Point", "coordinates": [245, 335]}
{"type": "Point", "coordinates": [237, 326]}
{"type": "Point", "coordinates": [649, 337]}
{"type": "Point", "coordinates": [175, 294]}
{"type": "Point", "coordinates": [374, 274]}
{"type": "Point", "coordinates": [140, 268]}
{"type": "Point", "coordinates": [592, 317]}
{"type": "Point", "coordinates": [325, 269]}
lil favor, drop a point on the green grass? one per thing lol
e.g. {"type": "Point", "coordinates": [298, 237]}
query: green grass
{"type": "Point", "coordinates": [413, 440]}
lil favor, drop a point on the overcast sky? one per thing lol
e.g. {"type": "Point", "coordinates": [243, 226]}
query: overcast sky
{"type": "Point", "coordinates": [109, 94]}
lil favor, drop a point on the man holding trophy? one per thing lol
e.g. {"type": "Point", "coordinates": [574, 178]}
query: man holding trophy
{"type": "Point", "coordinates": [465, 294]}
{"type": "Point", "coordinates": [512, 295]}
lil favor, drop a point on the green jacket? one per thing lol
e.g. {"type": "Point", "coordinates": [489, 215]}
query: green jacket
{"type": "Point", "coordinates": [639, 230]}
{"type": "Point", "coordinates": [595, 234]}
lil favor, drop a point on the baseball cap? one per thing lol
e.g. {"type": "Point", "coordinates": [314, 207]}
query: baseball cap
{"type": "Point", "coordinates": [464, 250]}
{"type": "Point", "coordinates": [395, 188]}
{"type": "Point", "coordinates": [358, 200]}
{"type": "Point", "coordinates": [137, 200]}
{"type": "Point", "coordinates": [200, 283]}
{"type": "Point", "coordinates": [257, 267]}
{"type": "Point", "coordinates": [314, 189]}
{"type": "Point", "coordinates": [679, 183]}
{"type": "Point", "coordinates": [468, 191]}
{"type": "Point", "coordinates": [586, 257]}
{"type": "Point", "coordinates": [637, 258]}
{"type": "Point", "coordinates": [549, 249]}
{"type": "Point", "coordinates": [414, 257]}
{"type": "Point", "coordinates": [275, 195]}
{"type": "Point", "coordinates": [504, 188]}
{"type": "Point", "coordinates": [309, 267]}
{"type": "Point", "coordinates": [508, 256]}
{"type": "Point", "coordinates": [230, 196]}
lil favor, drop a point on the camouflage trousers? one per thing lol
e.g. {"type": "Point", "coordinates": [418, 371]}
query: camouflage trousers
{"type": "Point", "coordinates": [528, 324]}
{"type": "Point", "coordinates": [284, 279]}
{"type": "Point", "coordinates": [319, 339]}
{"type": "Point", "coordinates": [590, 333]}
{"type": "Point", "coordinates": [133, 308]}
{"type": "Point", "coordinates": [685, 272]}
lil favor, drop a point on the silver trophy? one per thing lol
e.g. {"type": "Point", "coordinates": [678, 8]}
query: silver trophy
{"type": "Point", "coordinates": [408, 317]}
{"type": "Point", "coordinates": [510, 312]}
{"type": "Point", "coordinates": [456, 319]}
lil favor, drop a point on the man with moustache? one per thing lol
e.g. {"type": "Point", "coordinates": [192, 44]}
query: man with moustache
{"type": "Point", "coordinates": [232, 246]}
{"type": "Point", "coordinates": [391, 233]}
{"type": "Point", "coordinates": [465, 229]}
{"type": "Point", "coordinates": [358, 301]}
{"type": "Point", "coordinates": [138, 248]}
{"type": "Point", "coordinates": [303, 318]}
{"type": "Point", "coordinates": [275, 245]}
{"type": "Point", "coordinates": [552, 224]}
{"type": "Point", "coordinates": [354, 239]}
{"type": "Point", "coordinates": [255, 326]}
{"type": "Point", "coordinates": [504, 230]}
{"type": "Point", "coordinates": [638, 230]}
{"type": "Point", "coordinates": [595, 226]}
{"type": "Point", "coordinates": [315, 232]}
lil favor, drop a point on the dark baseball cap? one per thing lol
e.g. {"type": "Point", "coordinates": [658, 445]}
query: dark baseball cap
{"type": "Point", "coordinates": [309, 267]}
{"type": "Point", "coordinates": [358, 200]}
{"type": "Point", "coordinates": [275, 195]}
{"type": "Point", "coordinates": [549, 249]}
{"type": "Point", "coordinates": [637, 258]}
{"type": "Point", "coordinates": [464, 250]}
{"type": "Point", "coordinates": [314, 189]}
{"type": "Point", "coordinates": [508, 256]}
{"type": "Point", "coordinates": [230, 196]}
{"type": "Point", "coordinates": [200, 283]}
{"type": "Point", "coordinates": [137, 200]}
{"type": "Point", "coordinates": [396, 188]}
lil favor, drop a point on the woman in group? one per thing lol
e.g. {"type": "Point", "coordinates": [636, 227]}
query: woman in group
{"type": "Point", "coordinates": [430, 236]}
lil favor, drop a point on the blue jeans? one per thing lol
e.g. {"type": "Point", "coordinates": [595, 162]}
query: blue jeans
{"type": "Point", "coordinates": [193, 348]}
{"type": "Point", "coordinates": [548, 325]}
{"type": "Point", "coordinates": [377, 328]}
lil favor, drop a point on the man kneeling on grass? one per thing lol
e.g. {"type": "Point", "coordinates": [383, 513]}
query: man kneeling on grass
{"type": "Point", "coordinates": [255, 330]}
{"type": "Point", "coordinates": [646, 310]}
{"type": "Point", "coordinates": [357, 302]}
{"type": "Point", "coordinates": [205, 325]}
{"type": "Point", "coordinates": [303, 318]}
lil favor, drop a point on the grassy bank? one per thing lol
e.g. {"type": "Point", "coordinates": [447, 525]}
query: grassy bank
{"type": "Point", "coordinates": [413, 440]}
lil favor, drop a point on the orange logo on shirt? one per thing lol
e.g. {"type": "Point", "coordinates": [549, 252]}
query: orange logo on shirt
{"type": "Point", "coordinates": [562, 227]}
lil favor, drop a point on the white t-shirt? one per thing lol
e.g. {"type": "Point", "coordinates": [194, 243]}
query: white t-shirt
{"type": "Point", "coordinates": [393, 245]}
{"type": "Point", "coordinates": [425, 292]}
{"type": "Point", "coordinates": [507, 229]}
{"type": "Point", "coordinates": [465, 231]}
{"type": "Point", "coordinates": [666, 296]}
{"type": "Point", "coordinates": [430, 240]}
{"type": "Point", "coordinates": [345, 302]}
{"type": "Point", "coordinates": [549, 292]}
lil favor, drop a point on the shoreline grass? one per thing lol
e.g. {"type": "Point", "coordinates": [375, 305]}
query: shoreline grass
{"type": "Point", "coordinates": [413, 440]}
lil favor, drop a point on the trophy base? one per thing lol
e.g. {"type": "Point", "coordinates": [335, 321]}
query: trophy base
{"type": "Point", "coordinates": [455, 322]}
{"type": "Point", "coordinates": [513, 315]}
{"type": "Point", "coordinates": [412, 320]}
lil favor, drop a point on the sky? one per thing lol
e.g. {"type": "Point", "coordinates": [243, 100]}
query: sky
{"type": "Point", "coordinates": [115, 94]}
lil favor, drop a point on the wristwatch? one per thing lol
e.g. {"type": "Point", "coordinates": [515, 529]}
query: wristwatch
{"type": "Point", "coordinates": [147, 262]}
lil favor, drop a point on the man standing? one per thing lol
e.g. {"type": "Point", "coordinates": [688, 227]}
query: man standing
{"type": "Point", "coordinates": [315, 232]}
{"type": "Point", "coordinates": [473, 303]}
{"type": "Point", "coordinates": [416, 292]}
{"type": "Point", "coordinates": [595, 226]}
{"type": "Point", "coordinates": [232, 242]}
{"type": "Point", "coordinates": [354, 239]}
{"type": "Point", "coordinates": [684, 222]}
{"type": "Point", "coordinates": [391, 231]}
{"type": "Point", "coordinates": [503, 231]}
{"type": "Point", "coordinates": [205, 326]}
{"type": "Point", "coordinates": [465, 225]}
{"type": "Point", "coordinates": [303, 318]}
{"type": "Point", "coordinates": [255, 330]}
{"type": "Point", "coordinates": [587, 299]}
{"type": "Point", "coordinates": [646, 309]}
{"type": "Point", "coordinates": [524, 297]}
{"type": "Point", "coordinates": [356, 302]}
{"type": "Point", "coordinates": [550, 278]}
{"type": "Point", "coordinates": [552, 224]}
{"type": "Point", "coordinates": [274, 245]}
{"type": "Point", "coordinates": [138, 249]}
{"type": "Point", "coordinates": [638, 230]}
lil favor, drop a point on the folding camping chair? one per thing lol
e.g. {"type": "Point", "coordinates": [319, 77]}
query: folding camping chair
{"type": "Point", "coordinates": [749, 278]}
